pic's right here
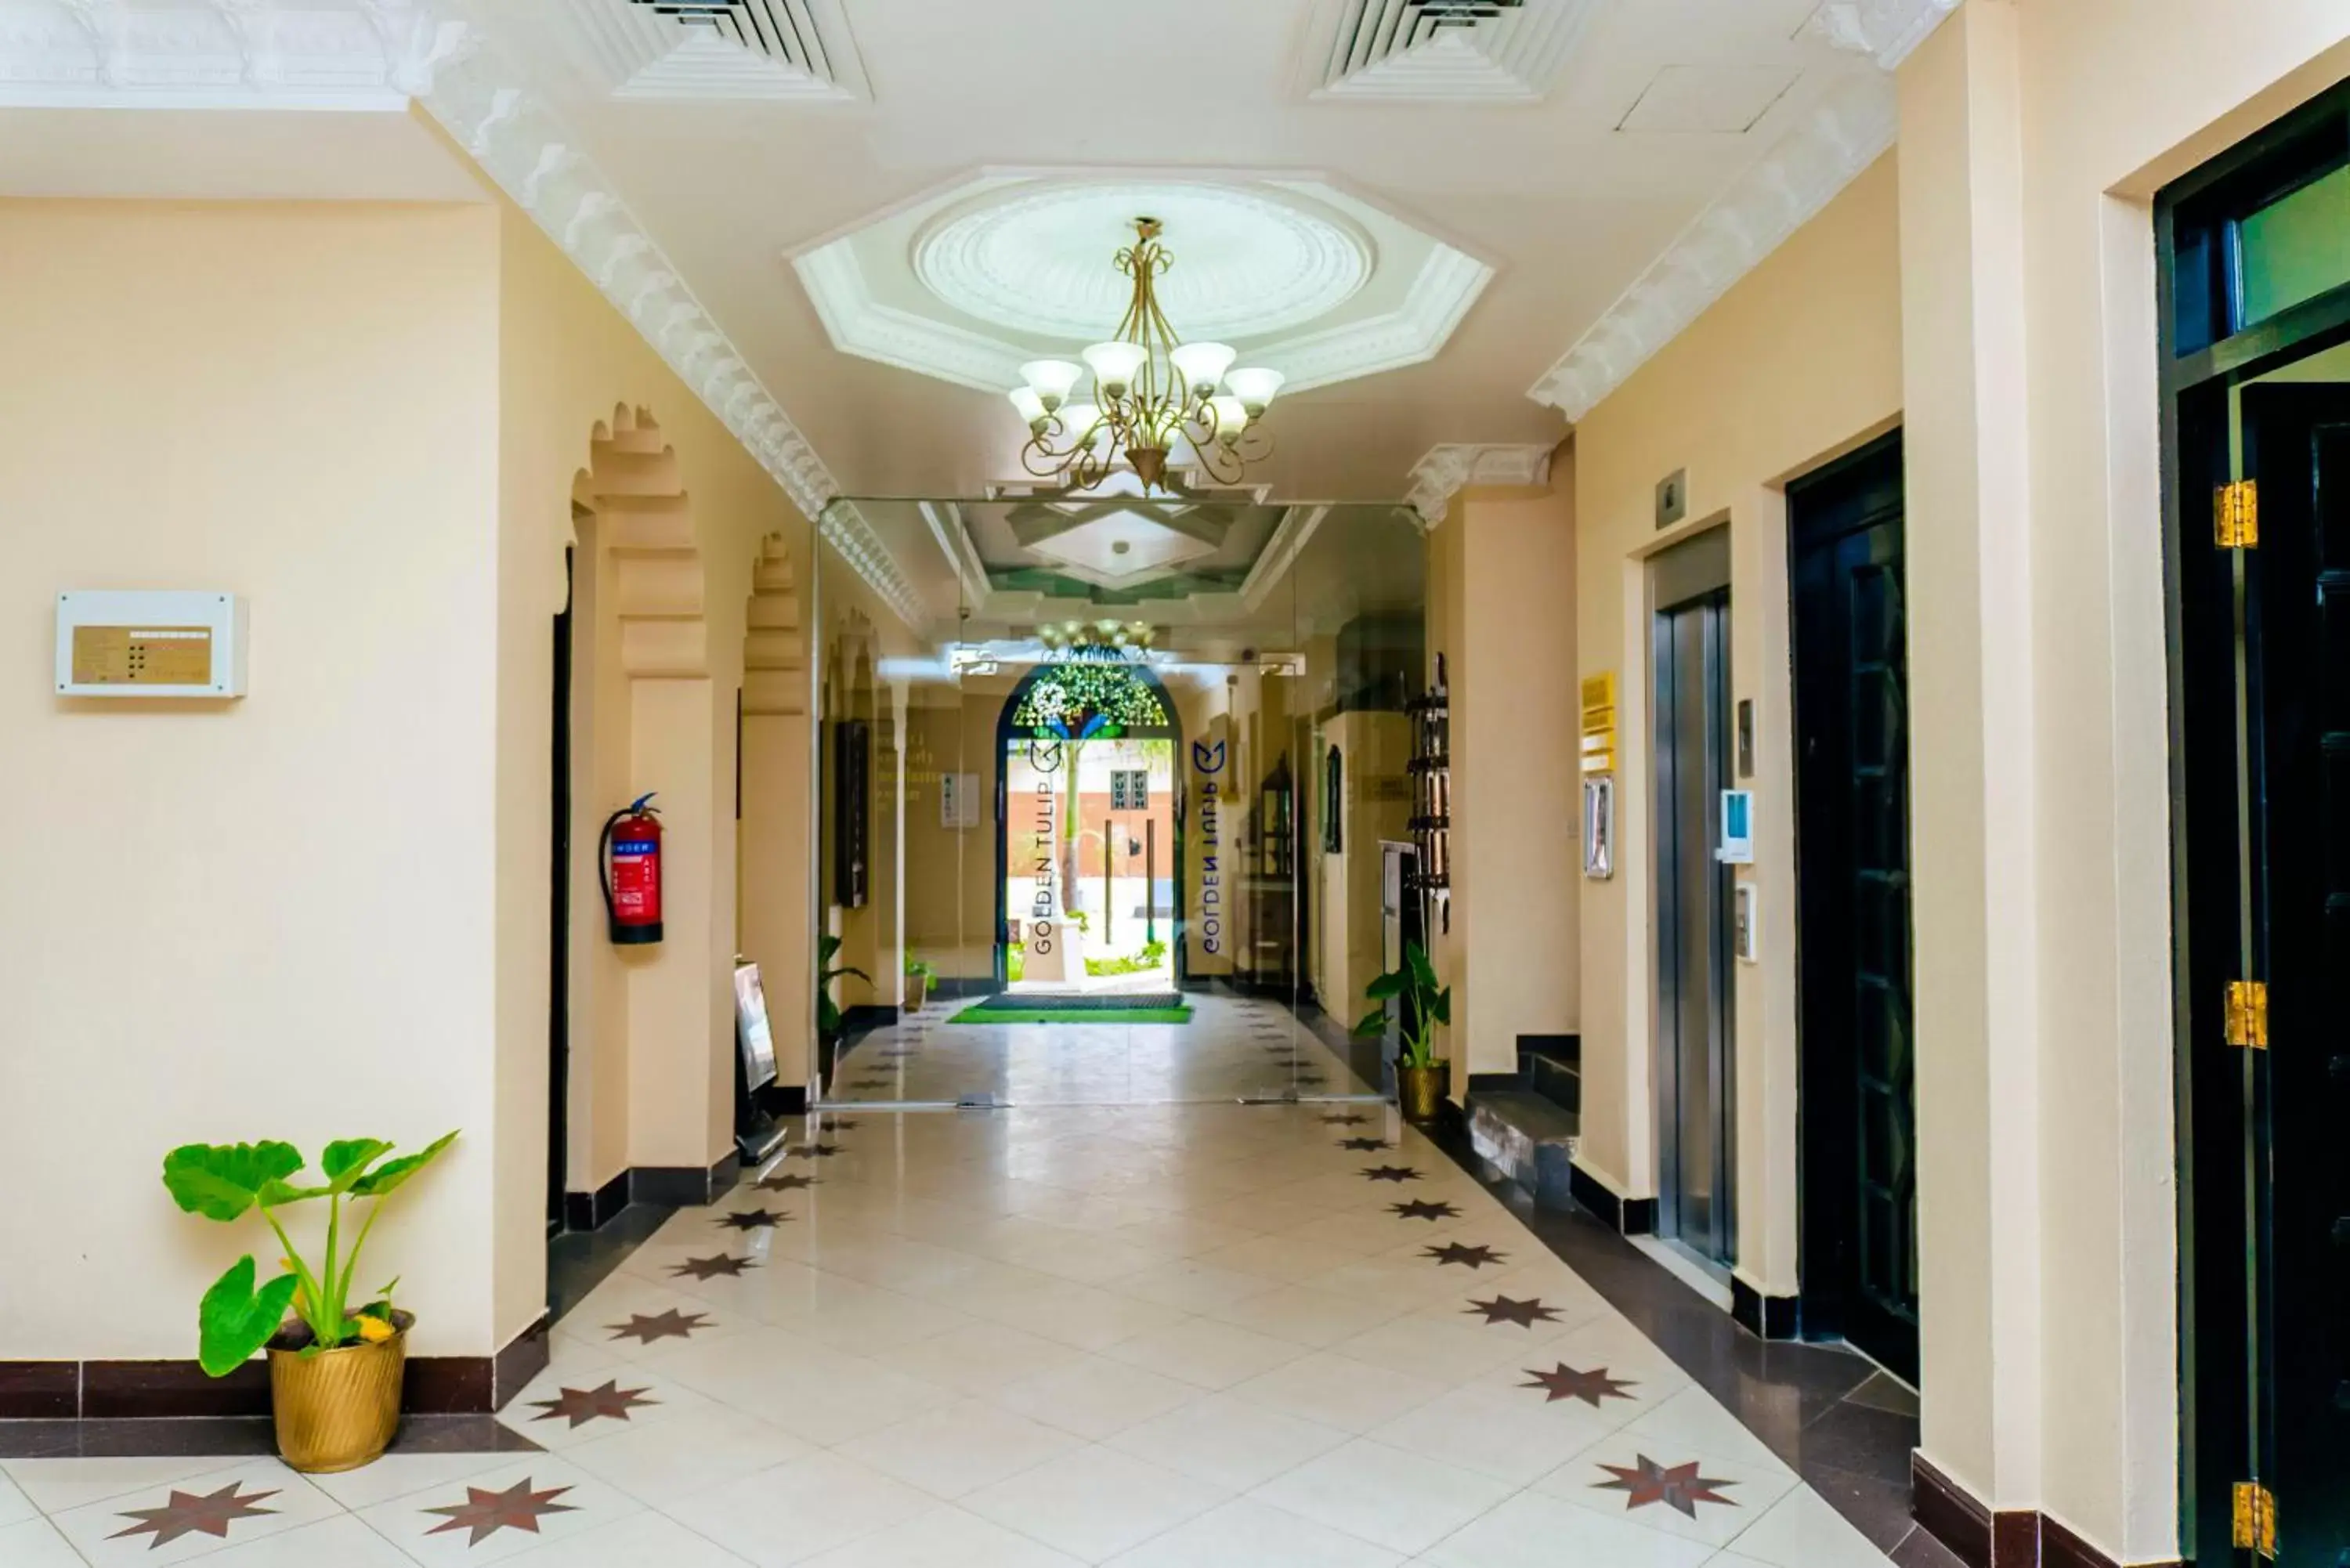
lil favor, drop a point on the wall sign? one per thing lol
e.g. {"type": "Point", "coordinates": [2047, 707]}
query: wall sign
{"type": "Point", "coordinates": [1599, 723]}
{"type": "Point", "coordinates": [958, 801]}
{"type": "Point", "coordinates": [136, 644]}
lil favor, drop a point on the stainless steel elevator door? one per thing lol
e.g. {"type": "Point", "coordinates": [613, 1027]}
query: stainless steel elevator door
{"type": "Point", "coordinates": [1696, 1093]}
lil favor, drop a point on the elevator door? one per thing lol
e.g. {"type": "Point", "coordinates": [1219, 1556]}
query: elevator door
{"type": "Point", "coordinates": [1694, 1084]}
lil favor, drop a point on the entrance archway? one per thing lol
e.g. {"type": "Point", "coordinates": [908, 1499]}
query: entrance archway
{"type": "Point", "coordinates": [1086, 696]}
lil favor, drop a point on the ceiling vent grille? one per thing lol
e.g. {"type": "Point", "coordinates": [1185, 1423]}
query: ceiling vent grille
{"type": "Point", "coordinates": [1448, 50]}
{"type": "Point", "coordinates": [779, 29]}
{"type": "Point", "coordinates": [719, 48]}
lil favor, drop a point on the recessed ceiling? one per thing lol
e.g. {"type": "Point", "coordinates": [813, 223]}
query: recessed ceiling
{"type": "Point", "coordinates": [968, 281]}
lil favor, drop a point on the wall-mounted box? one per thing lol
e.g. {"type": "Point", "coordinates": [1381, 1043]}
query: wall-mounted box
{"type": "Point", "coordinates": [129, 643]}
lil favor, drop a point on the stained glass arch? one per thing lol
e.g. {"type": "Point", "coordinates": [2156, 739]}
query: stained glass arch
{"type": "Point", "coordinates": [1091, 700]}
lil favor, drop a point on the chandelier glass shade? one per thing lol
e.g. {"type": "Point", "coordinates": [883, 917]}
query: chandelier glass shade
{"type": "Point", "coordinates": [1154, 397]}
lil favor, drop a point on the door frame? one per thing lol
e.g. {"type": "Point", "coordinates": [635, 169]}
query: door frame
{"type": "Point", "coordinates": [2201, 282]}
{"type": "Point", "coordinates": [1824, 1150]}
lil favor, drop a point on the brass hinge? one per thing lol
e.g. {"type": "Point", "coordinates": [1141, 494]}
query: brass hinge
{"type": "Point", "coordinates": [2248, 1014]}
{"type": "Point", "coordinates": [2256, 1525]}
{"type": "Point", "coordinates": [2236, 515]}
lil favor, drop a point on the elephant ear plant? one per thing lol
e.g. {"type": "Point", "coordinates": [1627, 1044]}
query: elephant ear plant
{"type": "Point", "coordinates": [1425, 1005]}
{"type": "Point", "coordinates": [222, 1181]}
{"type": "Point", "coordinates": [828, 1018]}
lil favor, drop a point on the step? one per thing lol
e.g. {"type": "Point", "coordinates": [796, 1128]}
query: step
{"type": "Point", "coordinates": [1531, 1139]}
{"type": "Point", "coordinates": [1560, 1083]}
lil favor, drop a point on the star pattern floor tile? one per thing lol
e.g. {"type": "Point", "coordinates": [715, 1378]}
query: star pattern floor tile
{"type": "Point", "coordinates": [1152, 1333]}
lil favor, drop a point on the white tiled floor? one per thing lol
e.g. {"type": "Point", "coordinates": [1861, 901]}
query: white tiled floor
{"type": "Point", "coordinates": [978, 1341]}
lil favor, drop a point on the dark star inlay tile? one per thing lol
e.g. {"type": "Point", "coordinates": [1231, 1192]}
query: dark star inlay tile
{"type": "Point", "coordinates": [1504, 1309]}
{"type": "Point", "coordinates": [669, 1324]}
{"type": "Point", "coordinates": [1466, 1256]}
{"type": "Point", "coordinates": [484, 1514]}
{"type": "Point", "coordinates": [1591, 1387]}
{"type": "Point", "coordinates": [752, 1220]}
{"type": "Point", "coordinates": [870, 1083]}
{"type": "Point", "coordinates": [1420, 1209]}
{"type": "Point", "coordinates": [1390, 1173]}
{"type": "Point", "coordinates": [581, 1406]}
{"type": "Point", "coordinates": [813, 1151]}
{"type": "Point", "coordinates": [841, 1124]}
{"type": "Point", "coordinates": [1365, 1143]}
{"type": "Point", "coordinates": [195, 1513]}
{"type": "Point", "coordinates": [784, 1181]}
{"type": "Point", "coordinates": [1677, 1486]}
{"type": "Point", "coordinates": [720, 1267]}
{"type": "Point", "coordinates": [1345, 1120]}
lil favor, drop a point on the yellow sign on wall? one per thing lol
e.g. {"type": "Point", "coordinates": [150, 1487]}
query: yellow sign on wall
{"type": "Point", "coordinates": [1599, 723]}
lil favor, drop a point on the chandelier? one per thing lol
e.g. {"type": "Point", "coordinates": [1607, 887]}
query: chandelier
{"type": "Point", "coordinates": [1153, 395]}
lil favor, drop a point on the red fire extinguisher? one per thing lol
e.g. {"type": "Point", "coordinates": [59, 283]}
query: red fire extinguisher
{"type": "Point", "coordinates": [629, 861]}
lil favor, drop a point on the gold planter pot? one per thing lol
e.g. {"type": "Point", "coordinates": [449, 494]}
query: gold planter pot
{"type": "Point", "coordinates": [1421, 1089]}
{"type": "Point", "coordinates": [337, 1410]}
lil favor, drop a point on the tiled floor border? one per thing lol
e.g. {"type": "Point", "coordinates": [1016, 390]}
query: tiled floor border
{"type": "Point", "coordinates": [1842, 1426]}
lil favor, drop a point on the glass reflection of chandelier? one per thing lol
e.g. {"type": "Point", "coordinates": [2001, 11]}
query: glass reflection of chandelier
{"type": "Point", "coordinates": [1153, 392]}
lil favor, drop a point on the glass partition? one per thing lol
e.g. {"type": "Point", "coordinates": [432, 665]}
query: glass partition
{"type": "Point", "coordinates": [1115, 796]}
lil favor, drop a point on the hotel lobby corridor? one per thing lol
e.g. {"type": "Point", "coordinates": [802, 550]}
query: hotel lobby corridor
{"type": "Point", "coordinates": [1162, 1337]}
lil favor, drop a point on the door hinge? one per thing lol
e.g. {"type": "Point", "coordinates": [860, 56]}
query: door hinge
{"type": "Point", "coordinates": [2256, 1523]}
{"type": "Point", "coordinates": [2248, 1014]}
{"type": "Point", "coordinates": [2236, 515]}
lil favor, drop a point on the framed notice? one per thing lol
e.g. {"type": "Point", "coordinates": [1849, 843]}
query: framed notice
{"type": "Point", "coordinates": [751, 1032]}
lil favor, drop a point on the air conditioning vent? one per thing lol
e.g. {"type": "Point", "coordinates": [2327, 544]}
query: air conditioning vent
{"type": "Point", "coordinates": [1448, 50]}
{"type": "Point", "coordinates": [780, 29]}
{"type": "Point", "coordinates": [674, 49]}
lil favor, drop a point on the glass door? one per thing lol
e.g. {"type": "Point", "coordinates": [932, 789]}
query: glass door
{"type": "Point", "coordinates": [1104, 796]}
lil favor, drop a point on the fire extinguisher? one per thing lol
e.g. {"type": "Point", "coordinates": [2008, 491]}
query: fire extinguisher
{"type": "Point", "coordinates": [628, 862]}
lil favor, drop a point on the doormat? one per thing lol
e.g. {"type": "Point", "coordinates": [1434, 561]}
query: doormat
{"type": "Point", "coordinates": [1082, 1000]}
{"type": "Point", "coordinates": [1089, 1010]}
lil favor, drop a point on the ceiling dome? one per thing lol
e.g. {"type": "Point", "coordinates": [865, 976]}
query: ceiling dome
{"type": "Point", "coordinates": [1037, 258]}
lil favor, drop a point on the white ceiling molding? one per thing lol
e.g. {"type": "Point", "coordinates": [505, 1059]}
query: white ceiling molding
{"type": "Point", "coordinates": [1817, 158]}
{"type": "Point", "coordinates": [1446, 470]}
{"type": "Point", "coordinates": [776, 50]}
{"type": "Point", "coordinates": [1445, 51]}
{"type": "Point", "coordinates": [348, 54]}
{"type": "Point", "coordinates": [519, 142]}
{"type": "Point", "coordinates": [1248, 261]}
{"type": "Point", "coordinates": [1298, 525]}
{"type": "Point", "coordinates": [998, 267]}
{"type": "Point", "coordinates": [1883, 30]}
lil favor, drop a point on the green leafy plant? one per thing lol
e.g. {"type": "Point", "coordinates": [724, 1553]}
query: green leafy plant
{"type": "Point", "coordinates": [917, 969]}
{"type": "Point", "coordinates": [828, 1020]}
{"type": "Point", "coordinates": [1425, 1005]}
{"type": "Point", "coordinates": [222, 1181]}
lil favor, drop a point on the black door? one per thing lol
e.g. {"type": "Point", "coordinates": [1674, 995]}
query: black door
{"type": "Point", "coordinates": [2265, 652]}
{"type": "Point", "coordinates": [1858, 1109]}
{"type": "Point", "coordinates": [558, 943]}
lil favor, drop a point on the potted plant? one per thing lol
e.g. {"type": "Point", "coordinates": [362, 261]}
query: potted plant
{"type": "Point", "coordinates": [829, 1022]}
{"type": "Point", "coordinates": [1420, 1073]}
{"type": "Point", "coordinates": [334, 1368]}
{"type": "Point", "coordinates": [919, 977]}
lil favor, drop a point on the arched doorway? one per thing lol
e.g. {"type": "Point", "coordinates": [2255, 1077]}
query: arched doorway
{"type": "Point", "coordinates": [1108, 701]}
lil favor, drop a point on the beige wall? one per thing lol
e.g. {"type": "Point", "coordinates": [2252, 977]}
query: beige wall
{"type": "Point", "coordinates": [1376, 748]}
{"type": "Point", "coordinates": [1797, 363]}
{"type": "Point", "coordinates": [2037, 135]}
{"type": "Point", "coordinates": [279, 917]}
{"type": "Point", "coordinates": [369, 421]}
{"type": "Point", "coordinates": [1517, 802]}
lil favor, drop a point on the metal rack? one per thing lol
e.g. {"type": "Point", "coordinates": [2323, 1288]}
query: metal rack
{"type": "Point", "coordinates": [1431, 819]}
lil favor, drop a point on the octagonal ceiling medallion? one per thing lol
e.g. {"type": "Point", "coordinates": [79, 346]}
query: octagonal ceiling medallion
{"type": "Point", "coordinates": [997, 268]}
